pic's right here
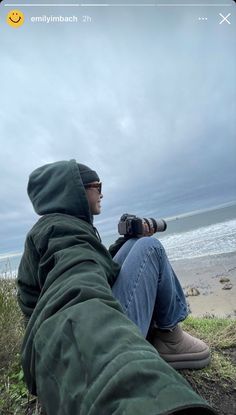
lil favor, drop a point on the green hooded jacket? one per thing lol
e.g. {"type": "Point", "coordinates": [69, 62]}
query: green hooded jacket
{"type": "Point", "coordinates": [81, 355]}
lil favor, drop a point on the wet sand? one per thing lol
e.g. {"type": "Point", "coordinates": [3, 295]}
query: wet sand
{"type": "Point", "coordinates": [204, 273]}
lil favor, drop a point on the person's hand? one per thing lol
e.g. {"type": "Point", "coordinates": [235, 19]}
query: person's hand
{"type": "Point", "coordinates": [148, 230]}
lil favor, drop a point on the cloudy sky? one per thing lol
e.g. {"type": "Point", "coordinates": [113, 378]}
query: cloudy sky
{"type": "Point", "coordinates": [145, 95]}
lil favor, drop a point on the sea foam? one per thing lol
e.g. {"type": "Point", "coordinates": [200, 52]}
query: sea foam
{"type": "Point", "coordinates": [214, 239]}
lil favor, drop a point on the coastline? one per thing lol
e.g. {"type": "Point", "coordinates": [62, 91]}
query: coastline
{"type": "Point", "coordinates": [205, 273]}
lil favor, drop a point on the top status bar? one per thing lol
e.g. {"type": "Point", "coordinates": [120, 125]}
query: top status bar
{"type": "Point", "coordinates": [121, 5]}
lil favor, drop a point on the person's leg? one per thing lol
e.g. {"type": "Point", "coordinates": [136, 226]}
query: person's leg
{"type": "Point", "coordinates": [124, 251]}
{"type": "Point", "coordinates": [147, 285]}
{"type": "Point", "coordinates": [147, 288]}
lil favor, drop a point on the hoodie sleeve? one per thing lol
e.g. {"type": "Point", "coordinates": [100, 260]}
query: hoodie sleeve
{"type": "Point", "coordinates": [114, 248]}
{"type": "Point", "coordinates": [82, 355]}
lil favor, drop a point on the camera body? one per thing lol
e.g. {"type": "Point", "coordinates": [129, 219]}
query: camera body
{"type": "Point", "coordinates": [131, 225]}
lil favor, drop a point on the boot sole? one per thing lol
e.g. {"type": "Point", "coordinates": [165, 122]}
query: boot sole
{"type": "Point", "coordinates": [190, 361]}
{"type": "Point", "coordinates": [194, 364]}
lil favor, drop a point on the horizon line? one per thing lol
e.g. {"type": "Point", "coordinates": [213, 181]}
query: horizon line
{"type": "Point", "coordinates": [7, 255]}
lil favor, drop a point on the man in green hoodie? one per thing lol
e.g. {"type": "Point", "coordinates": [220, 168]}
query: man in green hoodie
{"type": "Point", "coordinates": [81, 353]}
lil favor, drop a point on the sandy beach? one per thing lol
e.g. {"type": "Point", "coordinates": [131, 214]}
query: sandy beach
{"type": "Point", "coordinates": [215, 279]}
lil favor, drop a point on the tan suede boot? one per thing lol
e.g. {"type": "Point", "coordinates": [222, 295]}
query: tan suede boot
{"type": "Point", "coordinates": [181, 350]}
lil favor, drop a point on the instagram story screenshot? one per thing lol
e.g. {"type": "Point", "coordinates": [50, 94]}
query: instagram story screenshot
{"type": "Point", "coordinates": [118, 206]}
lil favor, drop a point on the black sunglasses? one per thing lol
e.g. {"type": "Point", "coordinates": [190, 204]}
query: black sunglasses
{"type": "Point", "coordinates": [97, 186]}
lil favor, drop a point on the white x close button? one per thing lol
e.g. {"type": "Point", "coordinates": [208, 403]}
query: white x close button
{"type": "Point", "coordinates": [224, 18]}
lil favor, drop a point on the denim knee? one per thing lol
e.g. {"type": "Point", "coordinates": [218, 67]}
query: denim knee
{"type": "Point", "coordinates": [149, 242]}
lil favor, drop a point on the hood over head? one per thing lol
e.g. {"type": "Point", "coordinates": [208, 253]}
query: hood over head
{"type": "Point", "coordinates": [58, 188]}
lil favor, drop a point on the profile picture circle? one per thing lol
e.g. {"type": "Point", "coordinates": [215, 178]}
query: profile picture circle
{"type": "Point", "coordinates": [15, 18]}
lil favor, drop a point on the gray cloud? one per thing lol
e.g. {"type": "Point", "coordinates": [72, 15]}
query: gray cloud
{"type": "Point", "coordinates": [146, 97]}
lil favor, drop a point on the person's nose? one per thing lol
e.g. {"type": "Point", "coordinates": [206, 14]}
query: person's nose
{"type": "Point", "coordinates": [101, 195]}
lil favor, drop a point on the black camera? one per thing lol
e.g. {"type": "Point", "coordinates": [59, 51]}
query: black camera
{"type": "Point", "coordinates": [131, 225]}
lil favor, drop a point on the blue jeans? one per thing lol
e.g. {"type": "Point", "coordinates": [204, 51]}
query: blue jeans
{"type": "Point", "coordinates": [147, 287]}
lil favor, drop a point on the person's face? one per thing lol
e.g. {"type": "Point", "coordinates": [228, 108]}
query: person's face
{"type": "Point", "coordinates": [94, 198]}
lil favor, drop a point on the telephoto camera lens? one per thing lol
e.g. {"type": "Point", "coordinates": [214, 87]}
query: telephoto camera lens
{"type": "Point", "coordinates": [161, 225]}
{"type": "Point", "coordinates": [158, 225]}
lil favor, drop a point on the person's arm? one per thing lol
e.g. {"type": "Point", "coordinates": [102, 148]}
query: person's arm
{"type": "Point", "coordinates": [114, 248]}
{"type": "Point", "coordinates": [81, 354]}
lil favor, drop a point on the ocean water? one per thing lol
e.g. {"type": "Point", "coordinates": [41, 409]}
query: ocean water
{"type": "Point", "coordinates": [192, 235]}
{"type": "Point", "coordinates": [9, 264]}
{"type": "Point", "coordinates": [201, 233]}
{"type": "Point", "coordinates": [219, 238]}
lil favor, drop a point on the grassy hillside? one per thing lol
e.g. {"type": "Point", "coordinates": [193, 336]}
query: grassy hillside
{"type": "Point", "coordinates": [216, 383]}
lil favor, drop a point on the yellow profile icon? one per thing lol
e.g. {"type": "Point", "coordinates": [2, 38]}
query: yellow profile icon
{"type": "Point", "coordinates": [15, 18]}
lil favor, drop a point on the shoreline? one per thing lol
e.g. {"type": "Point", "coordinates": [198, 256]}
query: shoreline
{"type": "Point", "coordinates": [204, 273]}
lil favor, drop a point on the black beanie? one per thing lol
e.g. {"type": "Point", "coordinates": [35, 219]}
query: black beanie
{"type": "Point", "coordinates": [87, 175]}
